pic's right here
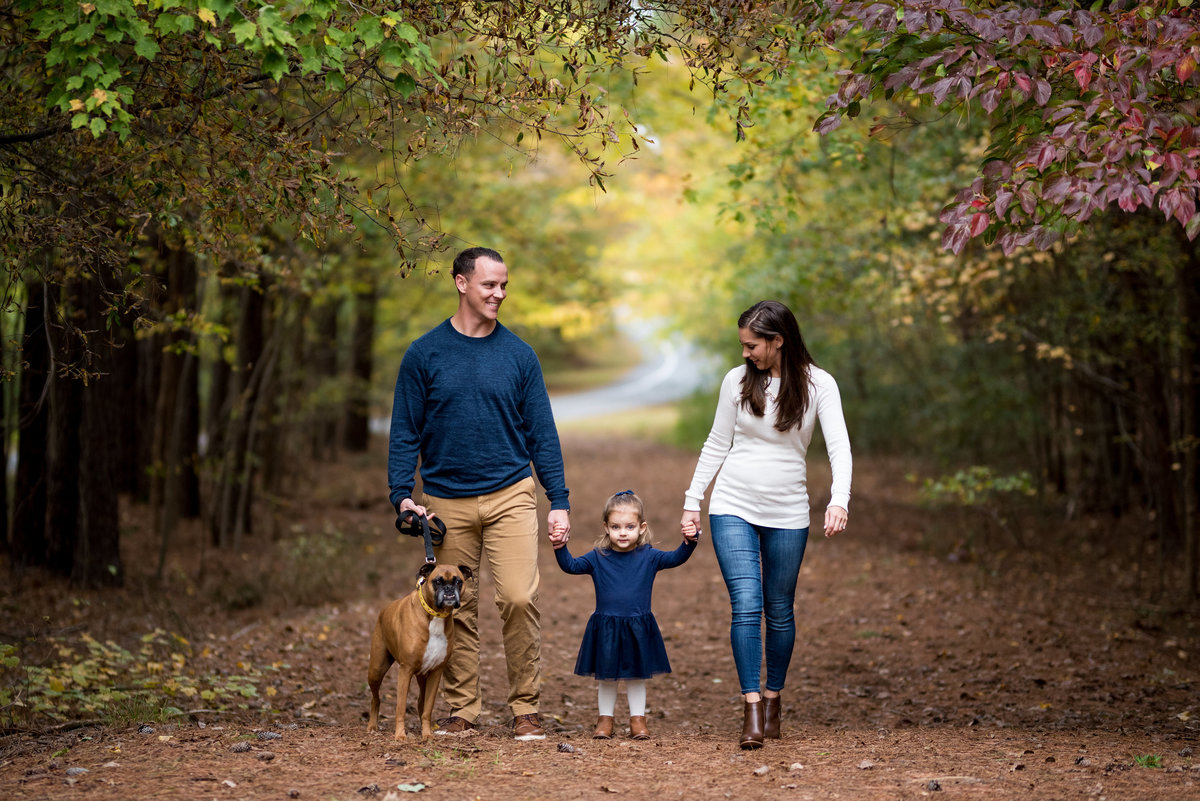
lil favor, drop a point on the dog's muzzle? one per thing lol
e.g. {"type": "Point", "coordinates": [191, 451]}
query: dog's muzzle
{"type": "Point", "coordinates": [448, 597]}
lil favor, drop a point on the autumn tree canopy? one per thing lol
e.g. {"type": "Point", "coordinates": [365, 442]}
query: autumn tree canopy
{"type": "Point", "coordinates": [1090, 106]}
{"type": "Point", "coordinates": [211, 119]}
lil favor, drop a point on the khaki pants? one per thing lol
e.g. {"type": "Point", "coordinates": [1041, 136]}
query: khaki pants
{"type": "Point", "coordinates": [504, 526]}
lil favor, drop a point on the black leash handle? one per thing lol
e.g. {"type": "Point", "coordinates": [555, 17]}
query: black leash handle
{"type": "Point", "coordinates": [415, 525]}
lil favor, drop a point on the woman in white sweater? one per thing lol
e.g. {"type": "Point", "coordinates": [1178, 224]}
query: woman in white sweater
{"type": "Point", "coordinates": [758, 513]}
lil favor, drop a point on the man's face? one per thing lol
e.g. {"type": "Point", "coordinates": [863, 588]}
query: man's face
{"type": "Point", "coordinates": [485, 289]}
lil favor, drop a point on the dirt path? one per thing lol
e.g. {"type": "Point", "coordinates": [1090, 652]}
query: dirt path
{"type": "Point", "coordinates": [916, 674]}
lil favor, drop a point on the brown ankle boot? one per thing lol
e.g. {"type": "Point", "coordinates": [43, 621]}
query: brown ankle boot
{"type": "Point", "coordinates": [604, 728]}
{"type": "Point", "coordinates": [752, 725]}
{"type": "Point", "coordinates": [771, 710]}
{"type": "Point", "coordinates": [637, 728]}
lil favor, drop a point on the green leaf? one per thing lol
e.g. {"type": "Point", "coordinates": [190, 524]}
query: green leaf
{"type": "Point", "coordinates": [98, 126]}
{"type": "Point", "coordinates": [310, 59]}
{"type": "Point", "coordinates": [335, 82]}
{"type": "Point", "coordinates": [369, 31]}
{"type": "Point", "coordinates": [222, 8]}
{"type": "Point", "coordinates": [146, 48]}
{"type": "Point", "coordinates": [244, 31]}
{"type": "Point", "coordinates": [273, 27]}
{"type": "Point", "coordinates": [82, 33]}
{"type": "Point", "coordinates": [167, 24]}
{"type": "Point", "coordinates": [335, 35]}
{"type": "Point", "coordinates": [275, 63]}
{"type": "Point", "coordinates": [392, 54]}
{"type": "Point", "coordinates": [404, 84]}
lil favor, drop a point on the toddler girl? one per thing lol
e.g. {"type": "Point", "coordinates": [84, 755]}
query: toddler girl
{"type": "Point", "coordinates": [622, 639]}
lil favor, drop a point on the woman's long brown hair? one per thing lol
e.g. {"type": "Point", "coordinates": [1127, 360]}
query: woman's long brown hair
{"type": "Point", "coordinates": [769, 319]}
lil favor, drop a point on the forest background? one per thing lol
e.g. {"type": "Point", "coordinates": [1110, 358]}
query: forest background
{"type": "Point", "coordinates": [222, 223]}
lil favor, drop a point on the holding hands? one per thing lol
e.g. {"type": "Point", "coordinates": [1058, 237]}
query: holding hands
{"type": "Point", "coordinates": [559, 523]}
{"type": "Point", "coordinates": [689, 526]}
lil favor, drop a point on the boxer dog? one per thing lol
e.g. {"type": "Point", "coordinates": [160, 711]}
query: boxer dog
{"type": "Point", "coordinates": [417, 632]}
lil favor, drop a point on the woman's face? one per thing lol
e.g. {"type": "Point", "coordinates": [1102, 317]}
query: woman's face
{"type": "Point", "coordinates": [763, 353]}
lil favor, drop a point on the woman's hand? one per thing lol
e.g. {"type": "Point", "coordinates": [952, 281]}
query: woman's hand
{"type": "Point", "coordinates": [689, 525]}
{"type": "Point", "coordinates": [836, 519]}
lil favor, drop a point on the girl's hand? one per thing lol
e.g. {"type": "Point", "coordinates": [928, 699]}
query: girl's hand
{"type": "Point", "coordinates": [689, 525]}
{"type": "Point", "coordinates": [836, 520]}
{"type": "Point", "coordinates": [558, 522]}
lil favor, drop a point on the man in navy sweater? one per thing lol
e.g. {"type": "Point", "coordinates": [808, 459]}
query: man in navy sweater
{"type": "Point", "coordinates": [471, 402]}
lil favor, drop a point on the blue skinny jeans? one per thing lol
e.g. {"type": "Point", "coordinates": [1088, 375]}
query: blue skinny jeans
{"type": "Point", "coordinates": [760, 566]}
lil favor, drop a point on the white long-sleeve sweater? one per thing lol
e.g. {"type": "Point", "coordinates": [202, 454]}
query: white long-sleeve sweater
{"type": "Point", "coordinates": [763, 472]}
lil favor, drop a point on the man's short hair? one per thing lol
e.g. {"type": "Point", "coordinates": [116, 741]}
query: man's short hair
{"type": "Point", "coordinates": [464, 262]}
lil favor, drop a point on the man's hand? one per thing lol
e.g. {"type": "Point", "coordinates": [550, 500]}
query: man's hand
{"type": "Point", "coordinates": [558, 522]}
{"type": "Point", "coordinates": [407, 505]}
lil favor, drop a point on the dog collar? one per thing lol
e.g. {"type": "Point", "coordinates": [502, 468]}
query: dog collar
{"type": "Point", "coordinates": [425, 604]}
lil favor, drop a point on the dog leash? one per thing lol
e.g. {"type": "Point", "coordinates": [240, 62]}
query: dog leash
{"type": "Point", "coordinates": [416, 525]}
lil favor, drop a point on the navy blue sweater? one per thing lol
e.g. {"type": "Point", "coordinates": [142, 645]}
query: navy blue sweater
{"type": "Point", "coordinates": [475, 410]}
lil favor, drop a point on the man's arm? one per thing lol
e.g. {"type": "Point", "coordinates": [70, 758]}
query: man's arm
{"type": "Point", "coordinates": [546, 452]}
{"type": "Point", "coordinates": [404, 438]}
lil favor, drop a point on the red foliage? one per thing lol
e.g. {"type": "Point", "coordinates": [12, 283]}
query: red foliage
{"type": "Point", "coordinates": [1086, 107]}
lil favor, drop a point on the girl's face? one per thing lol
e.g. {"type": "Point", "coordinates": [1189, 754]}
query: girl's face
{"type": "Point", "coordinates": [763, 353]}
{"type": "Point", "coordinates": [624, 529]}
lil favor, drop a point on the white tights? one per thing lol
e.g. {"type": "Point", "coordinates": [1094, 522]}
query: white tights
{"type": "Point", "coordinates": [635, 693]}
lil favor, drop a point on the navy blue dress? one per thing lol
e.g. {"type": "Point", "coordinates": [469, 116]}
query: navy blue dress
{"type": "Point", "coordinates": [622, 639]}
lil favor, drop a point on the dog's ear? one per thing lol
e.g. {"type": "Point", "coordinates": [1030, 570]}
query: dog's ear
{"type": "Point", "coordinates": [466, 571]}
{"type": "Point", "coordinates": [424, 572]}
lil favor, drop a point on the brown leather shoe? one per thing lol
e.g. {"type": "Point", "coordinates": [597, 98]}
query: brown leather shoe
{"type": "Point", "coordinates": [528, 727]}
{"type": "Point", "coordinates": [637, 728]}
{"type": "Point", "coordinates": [604, 728]}
{"type": "Point", "coordinates": [752, 725]}
{"type": "Point", "coordinates": [454, 725]}
{"type": "Point", "coordinates": [771, 709]}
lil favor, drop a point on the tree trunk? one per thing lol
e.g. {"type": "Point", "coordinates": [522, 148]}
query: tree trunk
{"type": "Point", "coordinates": [358, 404]}
{"type": "Point", "coordinates": [174, 488]}
{"type": "Point", "coordinates": [149, 370]}
{"type": "Point", "coordinates": [28, 535]}
{"type": "Point", "coordinates": [1189, 312]}
{"type": "Point", "coordinates": [283, 426]}
{"type": "Point", "coordinates": [83, 531]}
{"type": "Point", "coordinates": [232, 496]}
{"type": "Point", "coordinates": [123, 370]}
{"type": "Point", "coordinates": [9, 389]}
{"type": "Point", "coordinates": [97, 560]}
{"type": "Point", "coordinates": [323, 359]}
{"type": "Point", "coordinates": [66, 414]}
